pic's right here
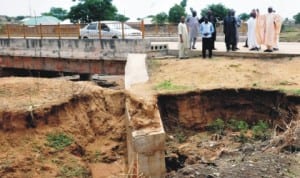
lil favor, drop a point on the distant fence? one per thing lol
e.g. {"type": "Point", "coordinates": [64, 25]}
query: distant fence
{"type": "Point", "coordinates": [41, 31]}
{"type": "Point", "coordinates": [73, 30]}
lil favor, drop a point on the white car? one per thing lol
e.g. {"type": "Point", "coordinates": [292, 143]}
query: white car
{"type": "Point", "coordinates": [109, 29]}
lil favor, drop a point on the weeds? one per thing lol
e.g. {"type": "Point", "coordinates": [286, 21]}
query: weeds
{"type": "Point", "coordinates": [217, 126]}
{"type": "Point", "coordinates": [260, 130]}
{"type": "Point", "coordinates": [168, 85]}
{"type": "Point", "coordinates": [237, 125]}
{"type": "Point", "coordinates": [59, 141]}
{"type": "Point", "coordinates": [74, 171]}
{"type": "Point", "coordinates": [291, 91]}
{"type": "Point", "coordinates": [180, 136]}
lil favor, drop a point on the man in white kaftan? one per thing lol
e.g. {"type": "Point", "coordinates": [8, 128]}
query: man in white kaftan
{"type": "Point", "coordinates": [183, 35]}
{"type": "Point", "coordinates": [270, 31]}
{"type": "Point", "coordinates": [251, 34]}
{"type": "Point", "coordinates": [193, 25]}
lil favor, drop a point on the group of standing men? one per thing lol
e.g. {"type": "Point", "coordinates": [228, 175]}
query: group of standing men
{"type": "Point", "coordinates": [188, 33]}
{"type": "Point", "coordinates": [262, 30]}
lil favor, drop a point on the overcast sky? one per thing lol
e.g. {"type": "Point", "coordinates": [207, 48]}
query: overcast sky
{"type": "Point", "coordinates": [141, 8]}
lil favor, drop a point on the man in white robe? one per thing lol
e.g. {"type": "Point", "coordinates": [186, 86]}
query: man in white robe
{"type": "Point", "coordinates": [278, 24]}
{"type": "Point", "coordinates": [183, 44]}
{"type": "Point", "coordinates": [270, 30]}
{"type": "Point", "coordinates": [251, 34]}
{"type": "Point", "coordinates": [193, 25]}
{"type": "Point", "coordinates": [260, 28]}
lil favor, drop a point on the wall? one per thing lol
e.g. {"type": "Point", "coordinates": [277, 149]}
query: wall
{"type": "Point", "coordinates": [107, 49]}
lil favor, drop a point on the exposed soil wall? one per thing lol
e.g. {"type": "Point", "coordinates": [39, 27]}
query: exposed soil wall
{"type": "Point", "coordinates": [193, 150]}
{"type": "Point", "coordinates": [196, 109]}
{"type": "Point", "coordinates": [91, 116]}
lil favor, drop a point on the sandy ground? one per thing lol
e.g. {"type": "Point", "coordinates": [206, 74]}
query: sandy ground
{"type": "Point", "coordinates": [32, 110]}
{"type": "Point", "coordinates": [221, 72]}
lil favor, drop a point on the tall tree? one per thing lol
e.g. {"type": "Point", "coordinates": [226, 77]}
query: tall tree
{"type": "Point", "coordinates": [160, 18]}
{"type": "Point", "coordinates": [92, 10]}
{"type": "Point", "coordinates": [121, 18]}
{"type": "Point", "coordinates": [244, 16]}
{"type": "Point", "coordinates": [183, 3]}
{"type": "Point", "coordinates": [219, 10]}
{"type": "Point", "coordinates": [297, 18]}
{"type": "Point", "coordinates": [57, 12]}
{"type": "Point", "coordinates": [177, 11]}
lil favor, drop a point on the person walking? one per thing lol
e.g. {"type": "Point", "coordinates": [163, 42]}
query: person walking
{"type": "Point", "coordinates": [193, 25]}
{"type": "Point", "coordinates": [183, 44]}
{"type": "Point", "coordinates": [206, 31]}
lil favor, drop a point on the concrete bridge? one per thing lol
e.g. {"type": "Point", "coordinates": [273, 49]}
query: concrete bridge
{"type": "Point", "coordinates": [84, 57]}
{"type": "Point", "coordinates": [105, 56]}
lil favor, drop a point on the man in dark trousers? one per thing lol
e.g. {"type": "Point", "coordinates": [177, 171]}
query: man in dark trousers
{"type": "Point", "coordinates": [212, 19]}
{"type": "Point", "coordinates": [230, 31]}
{"type": "Point", "coordinates": [206, 31]}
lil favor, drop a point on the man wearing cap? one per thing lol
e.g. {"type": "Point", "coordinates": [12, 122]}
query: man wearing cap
{"type": "Point", "coordinates": [270, 30]}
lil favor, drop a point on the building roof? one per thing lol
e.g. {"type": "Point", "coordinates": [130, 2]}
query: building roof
{"type": "Point", "coordinates": [43, 20]}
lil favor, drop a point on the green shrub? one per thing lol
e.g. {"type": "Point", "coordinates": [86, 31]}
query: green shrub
{"type": "Point", "coordinates": [217, 125]}
{"type": "Point", "coordinates": [59, 140]}
{"type": "Point", "coordinates": [236, 125]}
{"type": "Point", "coordinates": [260, 130]}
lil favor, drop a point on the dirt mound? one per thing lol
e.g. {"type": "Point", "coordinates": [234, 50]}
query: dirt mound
{"type": "Point", "coordinates": [52, 127]}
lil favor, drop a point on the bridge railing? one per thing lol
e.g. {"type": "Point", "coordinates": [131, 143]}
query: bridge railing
{"type": "Point", "coordinates": [73, 30]}
{"type": "Point", "coordinates": [40, 31]}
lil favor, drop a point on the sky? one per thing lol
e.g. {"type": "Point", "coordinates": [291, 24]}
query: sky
{"type": "Point", "coordinates": [141, 8]}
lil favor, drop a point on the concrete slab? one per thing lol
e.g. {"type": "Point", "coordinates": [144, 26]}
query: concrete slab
{"type": "Point", "coordinates": [135, 69]}
{"type": "Point", "coordinates": [286, 49]}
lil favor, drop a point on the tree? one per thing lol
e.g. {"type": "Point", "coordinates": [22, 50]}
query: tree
{"type": "Point", "coordinates": [20, 17]}
{"type": "Point", "coordinates": [57, 12]}
{"type": "Point", "coordinates": [160, 18]}
{"type": "Point", "coordinates": [297, 18]}
{"type": "Point", "coordinates": [219, 10]}
{"type": "Point", "coordinates": [92, 10]}
{"type": "Point", "coordinates": [121, 18]}
{"type": "Point", "coordinates": [177, 11]}
{"type": "Point", "coordinates": [244, 16]}
{"type": "Point", "coordinates": [183, 3]}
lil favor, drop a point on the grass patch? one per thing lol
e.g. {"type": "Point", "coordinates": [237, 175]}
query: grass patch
{"type": "Point", "coordinates": [168, 85]}
{"type": "Point", "coordinates": [297, 92]}
{"type": "Point", "coordinates": [291, 91]}
{"type": "Point", "coordinates": [74, 171]}
{"type": "Point", "coordinates": [59, 141]}
{"type": "Point", "coordinates": [292, 36]}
